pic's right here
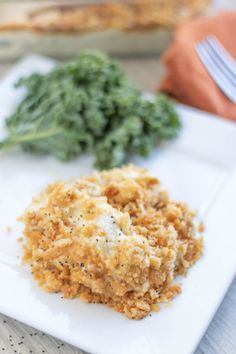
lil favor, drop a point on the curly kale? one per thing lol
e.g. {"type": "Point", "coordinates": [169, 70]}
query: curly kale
{"type": "Point", "coordinates": [89, 105]}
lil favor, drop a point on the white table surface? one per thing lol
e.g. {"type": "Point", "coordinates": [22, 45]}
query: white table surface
{"type": "Point", "coordinates": [220, 338]}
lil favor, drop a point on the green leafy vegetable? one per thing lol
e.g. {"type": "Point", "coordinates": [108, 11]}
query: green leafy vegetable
{"type": "Point", "coordinates": [89, 105]}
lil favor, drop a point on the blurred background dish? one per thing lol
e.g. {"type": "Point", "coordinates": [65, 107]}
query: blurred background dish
{"type": "Point", "coordinates": [63, 28]}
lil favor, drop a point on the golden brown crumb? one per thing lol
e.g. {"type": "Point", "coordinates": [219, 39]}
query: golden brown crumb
{"type": "Point", "coordinates": [8, 229]}
{"type": "Point", "coordinates": [201, 227]}
{"type": "Point", "coordinates": [114, 237]}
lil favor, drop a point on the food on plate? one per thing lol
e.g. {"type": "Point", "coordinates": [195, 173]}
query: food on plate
{"type": "Point", "coordinates": [89, 105]}
{"type": "Point", "coordinates": [114, 237]}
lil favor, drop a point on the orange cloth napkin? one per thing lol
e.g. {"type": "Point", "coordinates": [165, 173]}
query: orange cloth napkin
{"type": "Point", "coordinates": [187, 79]}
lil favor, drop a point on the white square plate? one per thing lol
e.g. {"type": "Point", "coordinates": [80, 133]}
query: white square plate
{"type": "Point", "coordinates": [198, 167]}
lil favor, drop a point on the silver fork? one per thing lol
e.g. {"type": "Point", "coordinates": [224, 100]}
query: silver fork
{"type": "Point", "coordinates": [220, 65]}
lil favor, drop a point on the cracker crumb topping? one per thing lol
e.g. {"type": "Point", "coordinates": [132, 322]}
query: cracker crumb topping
{"type": "Point", "coordinates": [114, 237]}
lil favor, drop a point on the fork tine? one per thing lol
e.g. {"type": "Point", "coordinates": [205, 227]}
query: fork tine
{"type": "Point", "coordinates": [223, 83]}
{"type": "Point", "coordinates": [220, 63]}
{"type": "Point", "coordinates": [215, 68]}
{"type": "Point", "coordinates": [222, 53]}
